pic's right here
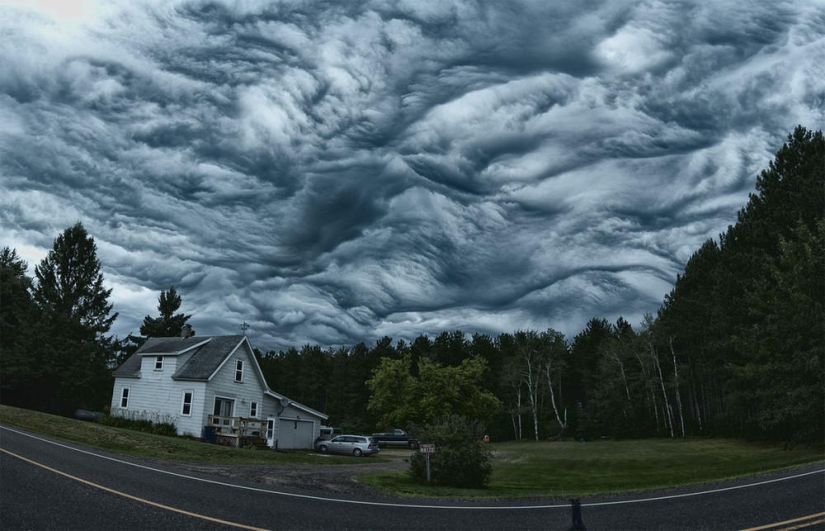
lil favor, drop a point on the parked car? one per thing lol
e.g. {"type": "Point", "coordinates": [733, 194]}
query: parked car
{"type": "Point", "coordinates": [396, 437]}
{"type": "Point", "coordinates": [356, 445]}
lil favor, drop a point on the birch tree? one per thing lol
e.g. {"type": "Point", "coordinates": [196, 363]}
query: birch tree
{"type": "Point", "coordinates": [657, 366]}
{"type": "Point", "coordinates": [528, 352]}
{"type": "Point", "coordinates": [512, 383]}
{"type": "Point", "coordinates": [676, 387]}
{"type": "Point", "coordinates": [556, 350]}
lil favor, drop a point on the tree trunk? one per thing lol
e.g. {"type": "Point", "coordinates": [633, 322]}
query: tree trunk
{"type": "Point", "coordinates": [549, 375]}
{"type": "Point", "coordinates": [615, 357]}
{"type": "Point", "coordinates": [658, 368]}
{"type": "Point", "coordinates": [649, 388]}
{"type": "Point", "coordinates": [676, 382]}
{"type": "Point", "coordinates": [532, 370]}
{"type": "Point", "coordinates": [655, 405]}
{"type": "Point", "coordinates": [517, 416]}
{"type": "Point", "coordinates": [697, 408]}
{"type": "Point", "coordinates": [533, 396]}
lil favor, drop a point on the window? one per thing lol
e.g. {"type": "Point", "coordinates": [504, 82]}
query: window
{"type": "Point", "coordinates": [159, 363]}
{"type": "Point", "coordinates": [253, 410]}
{"type": "Point", "coordinates": [187, 403]}
{"type": "Point", "coordinates": [124, 398]}
{"type": "Point", "coordinates": [224, 407]}
{"type": "Point", "coordinates": [239, 371]}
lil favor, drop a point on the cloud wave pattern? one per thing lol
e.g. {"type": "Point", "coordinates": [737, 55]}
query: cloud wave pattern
{"type": "Point", "coordinates": [331, 173]}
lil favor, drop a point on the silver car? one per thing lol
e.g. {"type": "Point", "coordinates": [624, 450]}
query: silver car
{"type": "Point", "coordinates": [356, 445]}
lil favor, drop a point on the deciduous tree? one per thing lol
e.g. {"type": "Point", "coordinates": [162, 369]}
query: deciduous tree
{"type": "Point", "coordinates": [402, 399]}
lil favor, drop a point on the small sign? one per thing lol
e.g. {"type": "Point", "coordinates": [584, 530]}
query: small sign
{"type": "Point", "coordinates": [427, 448]}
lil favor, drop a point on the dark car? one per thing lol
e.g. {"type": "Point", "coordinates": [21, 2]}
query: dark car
{"type": "Point", "coordinates": [396, 437]}
{"type": "Point", "coordinates": [356, 445]}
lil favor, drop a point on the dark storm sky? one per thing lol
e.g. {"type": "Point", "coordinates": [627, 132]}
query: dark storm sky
{"type": "Point", "coordinates": [335, 172]}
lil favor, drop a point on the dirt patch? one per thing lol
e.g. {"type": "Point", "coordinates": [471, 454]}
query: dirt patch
{"type": "Point", "coordinates": [321, 477]}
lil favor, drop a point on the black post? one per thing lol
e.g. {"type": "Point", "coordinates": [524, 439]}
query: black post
{"type": "Point", "coordinates": [578, 525]}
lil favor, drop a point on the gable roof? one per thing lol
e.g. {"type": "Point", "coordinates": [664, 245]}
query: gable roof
{"type": "Point", "coordinates": [208, 353]}
{"type": "Point", "coordinates": [206, 360]}
{"type": "Point", "coordinates": [171, 346]}
{"type": "Point", "coordinates": [296, 405]}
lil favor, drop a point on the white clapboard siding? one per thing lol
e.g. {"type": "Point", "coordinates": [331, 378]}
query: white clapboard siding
{"type": "Point", "coordinates": [223, 385]}
{"type": "Point", "coordinates": [155, 396]}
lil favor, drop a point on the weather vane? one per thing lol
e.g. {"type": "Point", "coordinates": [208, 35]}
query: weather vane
{"type": "Point", "coordinates": [244, 327]}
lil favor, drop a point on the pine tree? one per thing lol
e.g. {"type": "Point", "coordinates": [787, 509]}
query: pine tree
{"type": "Point", "coordinates": [72, 353]}
{"type": "Point", "coordinates": [17, 315]}
{"type": "Point", "coordinates": [169, 324]}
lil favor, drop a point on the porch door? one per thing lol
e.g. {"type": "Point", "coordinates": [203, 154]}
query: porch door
{"type": "Point", "coordinates": [270, 432]}
{"type": "Point", "coordinates": [223, 408]}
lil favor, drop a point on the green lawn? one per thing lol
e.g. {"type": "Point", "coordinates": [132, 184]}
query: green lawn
{"type": "Point", "coordinates": [561, 469]}
{"type": "Point", "coordinates": [155, 446]}
{"type": "Point", "coordinates": [526, 469]}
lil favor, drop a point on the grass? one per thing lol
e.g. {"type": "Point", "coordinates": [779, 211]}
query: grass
{"type": "Point", "coordinates": [155, 446]}
{"type": "Point", "coordinates": [530, 469]}
{"type": "Point", "coordinates": [525, 469]}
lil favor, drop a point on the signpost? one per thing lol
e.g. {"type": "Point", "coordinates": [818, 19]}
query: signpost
{"type": "Point", "coordinates": [427, 449]}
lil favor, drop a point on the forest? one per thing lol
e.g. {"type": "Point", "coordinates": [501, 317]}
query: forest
{"type": "Point", "coordinates": [735, 349]}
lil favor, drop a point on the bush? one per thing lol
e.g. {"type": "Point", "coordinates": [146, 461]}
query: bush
{"type": "Point", "coordinates": [460, 458]}
{"type": "Point", "coordinates": [146, 426]}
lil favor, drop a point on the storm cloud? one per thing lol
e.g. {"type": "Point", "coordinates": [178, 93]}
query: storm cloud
{"type": "Point", "coordinates": [332, 174]}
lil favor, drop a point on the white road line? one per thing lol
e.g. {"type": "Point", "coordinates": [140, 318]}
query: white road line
{"type": "Point", "coordinates": [416, 506]}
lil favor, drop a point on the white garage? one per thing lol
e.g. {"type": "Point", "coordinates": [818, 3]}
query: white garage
{"type": "Point", "coordinates": [295, 433]}
{"type": "Point", "coordinates": [293, 426]}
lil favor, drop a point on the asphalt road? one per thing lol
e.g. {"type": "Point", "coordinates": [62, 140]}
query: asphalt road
{"type": "Point", "coordinates": [47, 484]}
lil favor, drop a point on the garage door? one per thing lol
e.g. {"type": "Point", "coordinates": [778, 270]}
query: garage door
{"type": "Point", "coordinates": [294, 434]}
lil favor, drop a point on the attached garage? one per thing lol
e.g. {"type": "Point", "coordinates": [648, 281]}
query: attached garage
{"type": "Point", "coordinates": [295, 433]}
{"type": "Point", "coordinates": [293, 426]}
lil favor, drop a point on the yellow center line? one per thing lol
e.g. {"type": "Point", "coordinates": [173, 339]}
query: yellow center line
{"type": "Point", "coordinates": [135, 498]}
{"type": "Point", "coordinates": [793, 521]}
{"type": "Point", "coordinates": [800, 526]}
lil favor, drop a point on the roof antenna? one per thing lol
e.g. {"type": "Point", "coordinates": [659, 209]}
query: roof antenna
{"type": "Point", "coordinates": [244, 327]}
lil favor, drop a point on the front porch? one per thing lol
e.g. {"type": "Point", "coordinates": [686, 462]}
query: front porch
{"type": "Point", "coordinates": [238, 432]}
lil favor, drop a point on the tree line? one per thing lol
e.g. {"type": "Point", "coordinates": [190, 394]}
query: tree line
{"type": "Point", "coordinates": [736, 349]}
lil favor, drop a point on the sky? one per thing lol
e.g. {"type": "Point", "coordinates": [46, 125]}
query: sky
{"type": "Point", "coordinates": [335, 172]}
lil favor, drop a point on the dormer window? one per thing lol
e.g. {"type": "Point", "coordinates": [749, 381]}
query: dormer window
{"type": "Point", "coordinates": [239, 371]}
{"type": "Point", "coordinates": [159, 363]}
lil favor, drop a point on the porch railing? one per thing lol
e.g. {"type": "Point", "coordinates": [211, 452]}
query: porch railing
{"type": "Point", "coordinates": [238, 431]}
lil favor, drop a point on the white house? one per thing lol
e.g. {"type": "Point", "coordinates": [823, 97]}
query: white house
{"type": "Point", "coordinates": [184, 380]}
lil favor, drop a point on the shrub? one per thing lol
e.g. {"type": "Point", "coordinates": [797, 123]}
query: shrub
{"type": "Point", "coordinates": [460, 458]}
{"type": "Point", "coordinates": [146, 426]}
